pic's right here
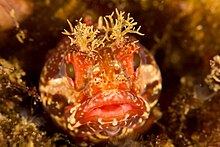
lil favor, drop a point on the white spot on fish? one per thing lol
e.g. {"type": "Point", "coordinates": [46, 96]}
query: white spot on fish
{"type": "Point", "coordinates": [115, 122]}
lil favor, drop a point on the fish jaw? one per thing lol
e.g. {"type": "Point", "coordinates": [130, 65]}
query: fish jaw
{"type": "Point", "coordinates": [112, 113]}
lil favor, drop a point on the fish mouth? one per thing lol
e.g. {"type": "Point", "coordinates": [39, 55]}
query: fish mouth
{"type": "Point", "coordinates": [107, 114]}
{"type": "Point", "coordinates": [110, 110]}
{"type": "Point", "coordinates": [111, 107]}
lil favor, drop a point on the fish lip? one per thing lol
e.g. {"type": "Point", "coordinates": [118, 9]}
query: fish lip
{"type": "Point", "coordinates": [111, 97]}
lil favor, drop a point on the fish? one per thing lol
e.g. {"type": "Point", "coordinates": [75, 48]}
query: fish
{"type": "Point", "coordinates": [100, 83]}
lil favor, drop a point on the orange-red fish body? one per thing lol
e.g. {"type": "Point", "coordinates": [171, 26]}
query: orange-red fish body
{"type": "Point", "coordinates": [103, 94]}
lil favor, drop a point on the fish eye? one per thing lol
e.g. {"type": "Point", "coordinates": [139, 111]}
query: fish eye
{"type": "Point", "coordinates": [70, 70]}
{"type": "Point", "coordinates": [136, 61]}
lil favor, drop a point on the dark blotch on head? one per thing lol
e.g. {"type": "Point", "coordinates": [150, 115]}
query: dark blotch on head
{"type": "Point", "coordinates": [57, 105]}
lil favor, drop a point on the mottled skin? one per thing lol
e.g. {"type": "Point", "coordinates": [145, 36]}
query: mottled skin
{"type": "Point", "coordinates": [109, 95]}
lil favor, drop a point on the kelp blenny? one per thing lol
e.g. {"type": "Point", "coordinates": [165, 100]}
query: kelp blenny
{"type": "Point", "coordinates": [99, 83]}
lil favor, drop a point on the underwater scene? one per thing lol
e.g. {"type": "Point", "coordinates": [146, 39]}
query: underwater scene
{"type": "Point", "coordinates": [110, 73]}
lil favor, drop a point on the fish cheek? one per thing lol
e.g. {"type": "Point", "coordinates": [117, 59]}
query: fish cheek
{"type": "Point", "coordinates": [148, 77]}
{"type": "Point", "coordinates": [148, 82]}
